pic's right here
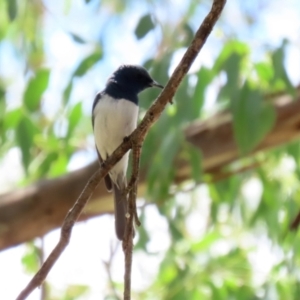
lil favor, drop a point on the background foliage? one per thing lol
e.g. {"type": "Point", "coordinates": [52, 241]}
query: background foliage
{"type": "Point", "coordinates": [226, 240]}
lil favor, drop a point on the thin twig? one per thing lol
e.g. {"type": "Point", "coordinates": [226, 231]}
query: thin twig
{"type": "Point", "coordinates": [136, 154]}
{"type": "Point", "coordinates": [128, 241]}
{"type": "Point", "coordinates": [66, 230]}
{"type": "Point", "coordinates": [139, 134]}
{"type": "Point", "coordinates": [128, 244]}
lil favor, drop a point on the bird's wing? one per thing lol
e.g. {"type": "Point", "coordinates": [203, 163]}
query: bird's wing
{"type": "Point", "coordinates": [107, 179]}
{"type": "Point", "coordinates": [97, 98]}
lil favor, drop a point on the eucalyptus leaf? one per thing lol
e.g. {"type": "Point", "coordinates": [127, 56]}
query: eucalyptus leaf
{"type": "Point", "coordinates": [239, 48]}
{"type": "Point", "coordinates": [67, 91]}
{"type": "Point", "coordinates": [195, 159]}
{"type": "Point", "coordinates": [74, 118]}
{"type": "Point", "coordinates": [59, 166]}
{"type": "Point", "coordinates": [204, 78]}
{"type": "Point", "coordinates": [25, 132]}
{"type": "Point", "coordinates": [88, 62]}
{"type": "Point", "coordinates": [232, 67]}
{"type": "Point", "coordinates": [280, 73]}
{"type": "Point", "coordinates": [46, 164]}
{"type": "Point", "coordinates": [206, 242]}
{"type": "Point", "coordinates": [35, 89]}
{"type": "Point", "coordinates": [162, 163]}
{"type": "Point", "coordinates": [264, 71]}
{"type": "Point", "coordinates": [144, 26]}
{"type": "Point", "coordinates": [30, 260]}
{"type": "Point", "coordinates": [252, 118]}
{"type": "Point", "coordinates": [77, 38]}
{"type": "Point", "coordinates": [12, 118]}
{"type": "Point", "coordinates": [75, 291]}
{"type": "Point", "coordinates": [12, 9]}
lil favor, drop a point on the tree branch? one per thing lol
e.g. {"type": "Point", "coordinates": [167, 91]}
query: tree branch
{"type": "Point", "coordinates": [34, 211]}
{"type": "Point", "coordinates": [66, 230]}
{"type": "Point", "coordinates": [138, 135]}
{"type": "Point", "coordinates": [129, 233]}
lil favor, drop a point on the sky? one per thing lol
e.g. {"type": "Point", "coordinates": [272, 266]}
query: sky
{"type": "Point", "coordinates": [275, 22]}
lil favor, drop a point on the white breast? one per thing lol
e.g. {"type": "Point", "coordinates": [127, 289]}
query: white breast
{"type": "Point", "coordinates": [114, 120]}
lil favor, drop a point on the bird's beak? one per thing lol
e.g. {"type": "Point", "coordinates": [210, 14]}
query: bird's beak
{"type": "Point", "coordinates": [154, 83]}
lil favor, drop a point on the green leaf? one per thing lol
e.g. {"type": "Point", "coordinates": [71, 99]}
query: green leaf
{"type": "Point", "coordinates": [75, 291]}
{"type": "Point", "coordinates": [48, 143]}
{"type": "Point", "coordinates": [88, 63]}
{"type": "Point", "coordinates": [59, 166]}
{"type": "Point", "coordinates": [35, 89]}
{"type": "Point", "coordinates": [162, 162]}
{"type": "Point", "coordinates": [195, 158]}
{"type": "Point", "coordinates": [74, 118]}
{"type": "Point", "coordinates": [280, 73]}
{"type": "Point", "coordinates": [2, 116]}
{"type": "Point", "coordinates": [2, 105]}
{"type": "Point", "coordinates": [206, 242]}
{"type": "Point", "coordinates": [293, 149]}
{"type": "Point", "coordinates": [12, 9]}
{"type": "Point", "coordinates": [30, 260]}
{"type": "Point", "coordinates": [184, 104]}
{"type": "Point", "coordinates": [264, 71]}
{"type": "Point", "coordinates": [12, 118]}
{"type": "Point", "coordinates": [144, 26]}
{"type": "Point", "coordinates": [204, 78]}
{"type": "Point", "coordinates": [252, 118]}
{"type": "Point", "coordinates": [25, 134]}
{"type": "Point", "coordinates": [77, 38]}
{"type": "Point", "coordinates": [67, 91]}
{"type": "Point", "coordinates": [46, 164]}
{"type": "Point", "coordinates": [232, 68]}
{"type": "Point", "coordinates": [175, 231]}
{"type": "Point", "coordinates": [239, 48]}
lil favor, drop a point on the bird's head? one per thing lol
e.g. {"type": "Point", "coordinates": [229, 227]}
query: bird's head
{"type": "Point", "coordinates": [133, 78]}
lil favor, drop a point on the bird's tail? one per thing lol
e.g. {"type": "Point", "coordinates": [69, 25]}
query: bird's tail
{"type": "Point", "coordinates": [120, 210]}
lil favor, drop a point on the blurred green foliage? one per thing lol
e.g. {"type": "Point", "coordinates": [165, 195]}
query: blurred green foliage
{"type": "Point", "coordinates": [192, 267]}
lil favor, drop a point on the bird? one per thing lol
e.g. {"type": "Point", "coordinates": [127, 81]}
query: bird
{"type": "Point", "coordinates": [114, 117]}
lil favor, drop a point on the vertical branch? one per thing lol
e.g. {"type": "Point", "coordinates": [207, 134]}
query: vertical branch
{"type": "Point", "coordinates": [127, 247]}
{"type": "Point", "coordinates": [132, 216]}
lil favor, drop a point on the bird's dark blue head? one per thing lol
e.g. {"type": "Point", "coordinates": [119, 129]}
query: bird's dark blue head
{"type": "Point", "coordinates": [129, 80]}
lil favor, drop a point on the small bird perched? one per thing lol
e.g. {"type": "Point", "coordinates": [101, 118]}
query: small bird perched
{"type": "Point", "coordinates": [114, 117]}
